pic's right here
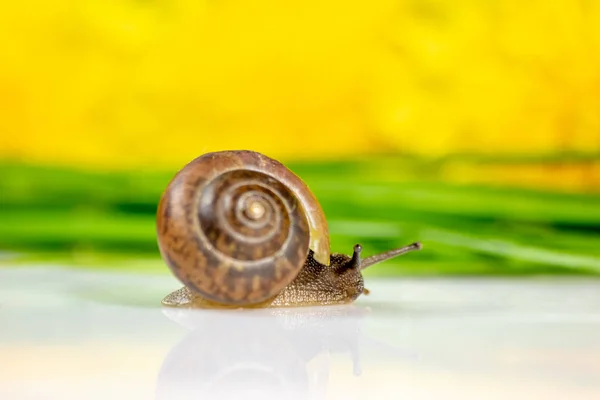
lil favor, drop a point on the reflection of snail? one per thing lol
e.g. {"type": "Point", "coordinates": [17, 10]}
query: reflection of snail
{"type": "Point", "coordinates": [277, 353]}
{"type": "Point", "coordinates": [240, 229]}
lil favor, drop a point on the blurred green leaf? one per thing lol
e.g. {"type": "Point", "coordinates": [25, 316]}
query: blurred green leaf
{"type": "Point", "coordinates": [58, 213]}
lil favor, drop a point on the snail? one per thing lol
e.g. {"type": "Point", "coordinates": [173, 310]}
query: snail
{"type": "Point", "coordinates": [241, 230]}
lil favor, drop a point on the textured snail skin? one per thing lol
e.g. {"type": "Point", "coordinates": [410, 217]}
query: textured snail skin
{"type": "Point", "coordinates": [210, 243]}
{"type": "Point", "coordinates": [317, 284]}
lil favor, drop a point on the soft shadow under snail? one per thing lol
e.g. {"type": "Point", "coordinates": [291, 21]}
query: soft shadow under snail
{"type": "Point", "coordinates": [239, 229]}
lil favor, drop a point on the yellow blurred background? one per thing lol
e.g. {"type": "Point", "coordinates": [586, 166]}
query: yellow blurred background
{"type": "Point", "coordinates": [125, 84]}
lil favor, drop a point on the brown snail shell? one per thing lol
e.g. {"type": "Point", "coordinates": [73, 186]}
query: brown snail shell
{"type": "Point", "coordinates": [236, 227]}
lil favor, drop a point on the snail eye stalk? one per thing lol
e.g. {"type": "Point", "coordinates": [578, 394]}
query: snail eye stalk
{"type": "Point", "coordinates": [367, 262]}
{"type": "Point", "coordinates": [356, 261]}
{"type": "Point", "coordinates": [352, 264]}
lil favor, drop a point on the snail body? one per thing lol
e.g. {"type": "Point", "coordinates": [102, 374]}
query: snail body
{"type": "Point", "coordinates": [239, 229]}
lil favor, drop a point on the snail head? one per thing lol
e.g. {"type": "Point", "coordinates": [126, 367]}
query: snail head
{"type": "Point", "coordinates": [349, 269]}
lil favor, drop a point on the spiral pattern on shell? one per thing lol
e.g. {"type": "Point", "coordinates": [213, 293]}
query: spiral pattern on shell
{"type": "Point", "coordinates": [235, 226]}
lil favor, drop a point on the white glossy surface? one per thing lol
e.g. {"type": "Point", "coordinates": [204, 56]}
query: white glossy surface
{"type": "Point", "coordinates": [96, 335]}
